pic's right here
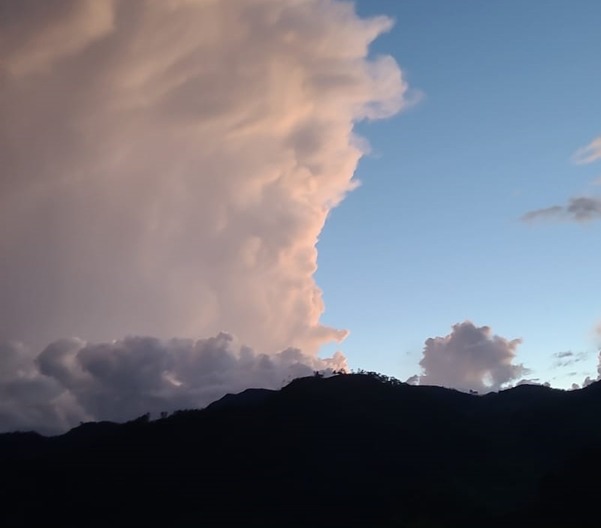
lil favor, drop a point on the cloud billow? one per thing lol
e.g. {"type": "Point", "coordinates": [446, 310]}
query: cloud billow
{"type": "Point", "coordinates": [72, 381]}
{"type": "Point", "coordinates": [470, 358]}
{"type": "Point", "coordinates": [590, 153]}
{"type": "Point", "coordinates": [167, 170]}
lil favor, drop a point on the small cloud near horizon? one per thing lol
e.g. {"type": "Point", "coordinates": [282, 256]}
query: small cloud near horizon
{"type": "Point", "coordinates": [470, 358]}
{"type": "Point", "coordinates": [533, 381]}
{"type": "Point", "coordinates": [580, 208]}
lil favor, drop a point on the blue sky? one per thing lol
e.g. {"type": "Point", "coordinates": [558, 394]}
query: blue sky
{"type": "Point", "coordinates": [433, 237]}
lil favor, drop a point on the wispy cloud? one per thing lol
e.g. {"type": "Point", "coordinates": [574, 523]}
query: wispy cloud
{"type": "Point", "coordinates": [580, 209]}
{"type": "Point", "coordinates": [72, 381]}
{"type": "Point", "coordinates": [588, 154]}
{"type": "Point", "coordinates": [565, 354]}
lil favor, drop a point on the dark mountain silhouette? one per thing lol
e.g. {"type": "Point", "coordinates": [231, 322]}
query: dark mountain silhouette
{"type": "Point", "coordinates": [351, 450]}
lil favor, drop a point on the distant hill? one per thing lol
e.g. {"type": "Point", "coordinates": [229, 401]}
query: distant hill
{"type": "Point", "coordinates": [353, 450]}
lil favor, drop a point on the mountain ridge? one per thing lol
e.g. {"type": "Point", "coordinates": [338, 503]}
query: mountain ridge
{"type": "Point", "coordinates": [348, 450]}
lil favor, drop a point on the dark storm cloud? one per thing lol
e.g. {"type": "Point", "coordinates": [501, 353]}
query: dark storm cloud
{"type": "Point", "coordinates": [72, 381]}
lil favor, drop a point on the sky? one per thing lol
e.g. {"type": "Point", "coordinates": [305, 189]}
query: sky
{"type": "Point", "coordinates": [197, 197]}
{"type": "Point", "coordinates": [506, 94]}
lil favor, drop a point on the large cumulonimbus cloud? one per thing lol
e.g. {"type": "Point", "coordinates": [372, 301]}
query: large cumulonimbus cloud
{"type": "Point", "coordinates": [167, 167]}
{"type": "Point", "coordinates": [470, 358]}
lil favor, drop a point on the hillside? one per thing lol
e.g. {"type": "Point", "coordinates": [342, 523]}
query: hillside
{"type": "Point", "coordinates": [350, 450]}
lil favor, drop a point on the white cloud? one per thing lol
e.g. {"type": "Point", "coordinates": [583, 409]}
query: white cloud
{"type": "Point", "coordinates": [470, 358]}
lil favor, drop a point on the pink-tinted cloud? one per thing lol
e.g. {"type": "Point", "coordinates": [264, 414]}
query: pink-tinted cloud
{"type": "Point", "coordinates": [470, 358]}
{"type": "Point", "coordinates": [590, 153]}
{"type": "Point", "coordinates": [167, 166]}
